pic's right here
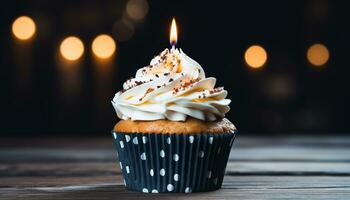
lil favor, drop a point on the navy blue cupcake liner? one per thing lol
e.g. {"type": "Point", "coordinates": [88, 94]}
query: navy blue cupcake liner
{"type": "Point", "coordinates": [183, 163]}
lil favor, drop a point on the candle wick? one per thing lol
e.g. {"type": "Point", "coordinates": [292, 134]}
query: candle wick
{"type": "Point", "coordinates": [172, 47]}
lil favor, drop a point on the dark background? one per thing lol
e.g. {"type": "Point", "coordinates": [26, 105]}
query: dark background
{"type": "Point", "coordinates": [288, 95]}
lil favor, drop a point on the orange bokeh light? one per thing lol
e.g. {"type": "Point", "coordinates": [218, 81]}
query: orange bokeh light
{"type": "Point", "coordinates": [317, 54]}
{"type": "Point", "coordinates": [72, 48]}
{"type": "Point", "coordinates": [255, 56]}
{"type": "Point", "coordinates": [103, 46]}
{"type": "Point", "coordinates": [23, 28]}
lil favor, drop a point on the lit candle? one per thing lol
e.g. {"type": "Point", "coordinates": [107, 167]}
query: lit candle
{"type": "Point", "coordinates": [173, 34]}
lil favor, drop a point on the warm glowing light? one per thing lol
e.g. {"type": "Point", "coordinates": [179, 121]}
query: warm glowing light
{"type": "Point", "coordinates": [318, 54]}
{"type": "Point", "coordinates": [23, 28]}
{"type": "Point", "coordinates": [137, 9]}
{"type": "Point", "coordinates": [173, 33]}
{"type": "Point", "coordinates": [72, 48]}
{"type": "Point", "coordinates": [103, 46]}
{"type": "Point", "coordinates": [255, 56]}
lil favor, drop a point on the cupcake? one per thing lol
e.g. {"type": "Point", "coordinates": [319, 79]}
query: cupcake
{"type": "Point", "coordinates": [173, 135]}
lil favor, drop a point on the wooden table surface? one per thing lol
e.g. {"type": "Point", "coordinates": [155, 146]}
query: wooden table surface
{"type": "Point", "coordinates": [269, 167]}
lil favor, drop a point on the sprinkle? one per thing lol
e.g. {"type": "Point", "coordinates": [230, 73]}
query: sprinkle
{"type": "Point", "coordinates": [157, 75]}
{"type": "Point", "coordinates": [166, 74]}
{"type": "Point", "coordinates": [139, 82]}
{"type": "Point", "coordinates": [158, 86]}
{"type": "Point", "coordinates": [171, 80]}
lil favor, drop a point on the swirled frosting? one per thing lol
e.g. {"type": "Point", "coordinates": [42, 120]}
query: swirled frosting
{"type": "Point", "coordinates": [172, 87]}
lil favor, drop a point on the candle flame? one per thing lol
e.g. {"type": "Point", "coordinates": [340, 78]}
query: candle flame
{"type": "Point", "coordinates": [173, 33]}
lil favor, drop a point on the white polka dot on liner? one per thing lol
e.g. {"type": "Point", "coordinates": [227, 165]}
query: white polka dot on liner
{"type": "Point", "coordinates": [191, 139]}
{"type": "Point", "coordinates": [201, 154]}
{"type": "Point", "coordinates": [114, 135]}
{"type": "Point", "coordinates": [176, 177]}
{"type": "Point", "coordinates": [161, 153]}
{"type": "Point", "coordinates": [127, 169]}
{"type": "Point", "coordinates": [121, 144]}
{"type": "Point", "coordinates": [151, 172]}
{"type": "Point", "coordinates": [209, 174]}
{"type": "Point", "coordinates": [154, 191]}
{"type": "Point", "coordinates": [176, 157]}
{"type": "Point", "coordinates": [170, 187]}
{"type": "Point", "coordinates": [145, 190]}
{"type": "Point", "coordinates": [124, 182]}
{"type": "Point", "coordinates": [135, 140]}
{"type": "Point", "coordinates": [168, 140]}
{"type": "Point", "coordinates": [162, 172]}
{"type": "Point", "coordinates": [127, 138]}
{"type": "Point", "coordinates": [121, 165]}
{"type": "Point", "coordinates": [143, 156]}
{"type": "Point", "coordinates": [211, 139]}
{"type": "Point", "coordinates": [144, 139]}
{"type": "Point", "coordinates": [188, 190]}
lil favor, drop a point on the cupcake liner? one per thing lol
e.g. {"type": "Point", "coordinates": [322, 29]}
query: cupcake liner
{"type": "Point", "coordinates": [160, 163]}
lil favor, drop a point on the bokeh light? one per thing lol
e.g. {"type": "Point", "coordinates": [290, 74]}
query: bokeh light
{"type": "Point", "coordinates": [137, 9]}
{"type": "Point", "coordinates": [318, 54]}
{"type": "Point", "coordinates": [23, 28]}
{"type": "Point", "coordinates": [103, 46]}
{"type": "Point", "coordinates": [72, 48]}
{"type": "Point", "coordinates": [123, 30]}
{"type": "Point", "coordinates": [255, 56]}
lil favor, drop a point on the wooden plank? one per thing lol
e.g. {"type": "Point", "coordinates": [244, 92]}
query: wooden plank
{"type": "Point", "coordinates": [330, 149]}
{"type": "Point", "coordinates": [242, 140]}
{"type": "Point", "coordinates": [259, 168]}
{"type": "Point", "coordinates": [240, 187]}
{"type": "Point", "coordinates": [230, 182]}
{"type": "Point", "coordinates": [272, 153]}
{"type": "Point", "coordinates": [233, 168]}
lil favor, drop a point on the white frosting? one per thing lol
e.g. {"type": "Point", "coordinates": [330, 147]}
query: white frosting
{"type": "Point", "coordinates": [172, 87]}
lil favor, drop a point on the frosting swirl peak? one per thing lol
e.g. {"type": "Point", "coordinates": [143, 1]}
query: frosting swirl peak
{"type": "Point", "coordinates": [172, 87]}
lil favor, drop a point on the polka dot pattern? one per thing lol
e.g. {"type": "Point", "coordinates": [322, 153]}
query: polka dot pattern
{"type": "Point", "coordinates": [170, 187]}
{"type": "Point", "coordinates": [191, 139]}
{"type": "Point", "coordinates": [176, 157]}
{"type": "Point", "coordinates": [127, 138]}
{"type": "Point", "coordinates": [162, 153]}
{"type": "Point", "coordinates": [144, 139]}
{"type": "Point", "coordinates": [146, 159]}
{"type": "Point", "coordinates": [168, 140]}
{"type": "Point", "coordinates": [143, 156]}
{"type": "Point", "coordinates": [162, 172]}
{"type": "Point", "coordinates": [210, 140]}
{"type": "Point", "coordinates": [121, 144]}
{"type": "Point", "coordinates": [188, 190]}
{"type": "Point", "coordinates": [176, 177]}
{"type": "Point", "coordinates": [201, 154]}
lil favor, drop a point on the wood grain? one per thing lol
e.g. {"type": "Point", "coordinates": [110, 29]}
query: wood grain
{"type": "Point", "coordinates": [291, 167]}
